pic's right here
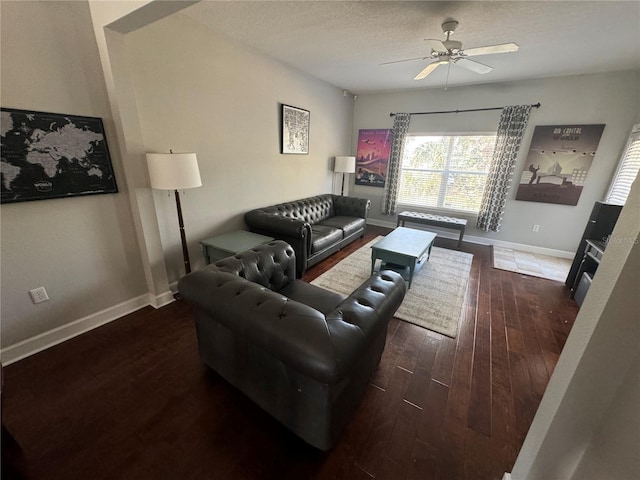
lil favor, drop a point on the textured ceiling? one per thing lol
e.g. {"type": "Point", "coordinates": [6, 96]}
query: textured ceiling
{"type": "Point", "coordinates": [344, 43]}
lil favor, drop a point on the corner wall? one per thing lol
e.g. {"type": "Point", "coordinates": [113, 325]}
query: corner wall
{"type": "Point", "coordinates": [579, 410]}
{"type": "Point", "coordinates": [611, 99]}
{"type": "Point", "coordinates": [83, 250]}
{"type": "Point", "coordinates": [198, 91]}
{"type": "Point", "coordinates": [102, 256]}
{"type": "Point", "coordinates": [613, 451]}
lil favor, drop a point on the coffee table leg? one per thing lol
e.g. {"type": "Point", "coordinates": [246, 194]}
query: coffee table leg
{"type": "Point", "coordinates": [373, 260]}
{"type": "Point", "coordinates": [412, 268]}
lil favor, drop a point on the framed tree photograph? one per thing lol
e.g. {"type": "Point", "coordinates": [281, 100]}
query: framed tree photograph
{"type": "Point", "coordinates": [295, 130]}
{"type": "Point", "coordinates": [53, 155]}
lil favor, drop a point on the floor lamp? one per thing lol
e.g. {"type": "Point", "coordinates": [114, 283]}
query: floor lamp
{"type": "Point", "coordinates": [175, 171]}
{"type": "Point", "coordinates": [344, 165]}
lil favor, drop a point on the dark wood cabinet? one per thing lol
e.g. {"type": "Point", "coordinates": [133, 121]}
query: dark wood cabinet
{"type": "Point", "coordinates": [592, 255]}
{"type": "Point", "coordinates": [600, 225]}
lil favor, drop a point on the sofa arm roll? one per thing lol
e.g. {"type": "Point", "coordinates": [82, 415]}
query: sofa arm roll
{"type": "Point", "coordinates": [351, 206]}
{"type": "Point", "coordinates": [263, 221]}
{"type": "Point", "coordinates": [360, 317]}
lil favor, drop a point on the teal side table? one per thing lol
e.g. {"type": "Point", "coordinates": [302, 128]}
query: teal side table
{"type": "Point", "coordinates": [230, 243]}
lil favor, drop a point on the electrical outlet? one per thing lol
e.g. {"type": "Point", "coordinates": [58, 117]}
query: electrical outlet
{"type": "Point", "coordinates": [38, 295]}
{"type": "Point", "coordinates": [536, 228]}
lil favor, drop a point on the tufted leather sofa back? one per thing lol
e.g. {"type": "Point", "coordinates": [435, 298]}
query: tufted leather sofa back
{"type": "Point", "coordinates": [311, 210]}
{"type": "Point", "coordinates": [272, 265]}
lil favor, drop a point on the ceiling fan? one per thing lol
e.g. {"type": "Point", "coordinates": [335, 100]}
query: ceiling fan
{"type": "Point", "coordinates": [451, 51]}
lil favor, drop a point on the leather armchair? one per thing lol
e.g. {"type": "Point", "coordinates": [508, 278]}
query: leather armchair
{"type": "Point", "coordinates": [303, 354]}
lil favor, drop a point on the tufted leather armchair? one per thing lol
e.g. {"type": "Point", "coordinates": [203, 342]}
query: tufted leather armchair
{"type": "Point", "coordinates": [315, 227]}
{"type": "Point", "coordinates": [303, 354]}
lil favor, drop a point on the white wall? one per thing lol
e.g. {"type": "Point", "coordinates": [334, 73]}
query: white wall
{"type": "Point", "coordinates": [97, 255]}
{"type": "Point", "coordinates": [591, 392]}
{"type": "Point", "coordinates": [614, 450]}
{"type": "Point", "coordinates": [612, 99]}
{"type": "Point", "coordinates": [111, 21]}
{"type": "Point", "coordinates": [197, 91]}
{"type": "Point", "coordinates": [82, 249]}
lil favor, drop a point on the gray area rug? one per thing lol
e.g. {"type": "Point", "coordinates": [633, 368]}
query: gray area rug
{"type": "Point", "coordinates": [437, 292]}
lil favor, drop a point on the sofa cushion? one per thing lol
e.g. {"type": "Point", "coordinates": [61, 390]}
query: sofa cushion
{"type": "Point", "coordinates": [349, 225]}
{"type": "Point", "coordinates": [323, 236]}
{"type": "Point", "coordinates": [322, 300]}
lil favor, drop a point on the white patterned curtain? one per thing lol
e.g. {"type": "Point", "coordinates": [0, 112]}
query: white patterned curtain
{"type": "Point", "coordinates": [513, 122]}
{"type": "Point", "coordinates": [400, 129]}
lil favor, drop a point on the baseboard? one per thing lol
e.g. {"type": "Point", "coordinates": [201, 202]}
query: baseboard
{"type": "Point", "coordinates": [551, 252]}
{"type": "Point", "coordinates": [157, 301]}
{"type": "Point", "coordinates": [484, 241]}
{"type": "Point", "coordinates": [48, 339]}
{"type": "Point", "coordinates": [506, 476]}
{"type": "Point", "coordinates": [380, 223]}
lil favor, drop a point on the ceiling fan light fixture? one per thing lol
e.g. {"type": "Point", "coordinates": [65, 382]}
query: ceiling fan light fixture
{"type": "Point", "coordinates": [452, 45]}
{"type": "Point", "coordinates": [449, 27]}
{"type": "Point", "coordinates": [446, 52]}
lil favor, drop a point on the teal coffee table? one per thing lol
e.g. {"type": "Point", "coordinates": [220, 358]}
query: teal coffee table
{"type": "Point", "coordinates": [230, 243]}
{"type": "Point", "coordinates": [402, 249]}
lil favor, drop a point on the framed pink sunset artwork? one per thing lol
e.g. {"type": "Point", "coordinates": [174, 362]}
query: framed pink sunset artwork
{"type": "Point", "coordinates": [372, 157]}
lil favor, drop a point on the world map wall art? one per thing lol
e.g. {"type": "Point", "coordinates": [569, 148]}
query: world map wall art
{"type": "Point", "coordinates": [52, 155]}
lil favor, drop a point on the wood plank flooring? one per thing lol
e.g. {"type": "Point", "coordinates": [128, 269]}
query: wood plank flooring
{"type": "Point", "coordinates": [132, 400]}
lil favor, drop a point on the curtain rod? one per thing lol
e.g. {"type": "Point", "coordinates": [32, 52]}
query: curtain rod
{"type": "Point", "coordinates": [534, 105]}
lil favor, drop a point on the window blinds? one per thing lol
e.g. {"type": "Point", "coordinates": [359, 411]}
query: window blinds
{"type": "Point", "coordinates": [627, 170]}
{"type": "Point", "coordinates": [445, 171]}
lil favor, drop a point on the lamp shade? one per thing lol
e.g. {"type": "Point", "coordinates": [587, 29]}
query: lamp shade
{"type": "Point", "coordinates": [345, 165]}
{"type": "Point", "coordinates": [173, 171]}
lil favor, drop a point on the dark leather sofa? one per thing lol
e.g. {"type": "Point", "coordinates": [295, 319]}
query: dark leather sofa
{"type": "Point", "coordinates": [303, 354]}
{"type": "Point", "coordinates": [315, 227]}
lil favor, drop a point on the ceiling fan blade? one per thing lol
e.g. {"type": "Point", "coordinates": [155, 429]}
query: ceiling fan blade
{"type": "Point", "coordinates": [428, 69]}
{"type": "Point", "coordinates": [501, 48]}
{"type": "Point", "coordinates": [405, 60]}
{"type": "Point", "coordinates": [436, 45]}
{"type": "Point", "coordinates": [474, 66]}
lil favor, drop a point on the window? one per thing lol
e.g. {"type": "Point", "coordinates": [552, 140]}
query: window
{"type": "Point", "coordinates": [445, 171]}
{"type": "Point", "coordinates": [627, 170]}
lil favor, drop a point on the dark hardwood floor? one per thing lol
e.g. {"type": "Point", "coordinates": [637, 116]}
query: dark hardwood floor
{"type": "Point", "coordinates": [132, 400]}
